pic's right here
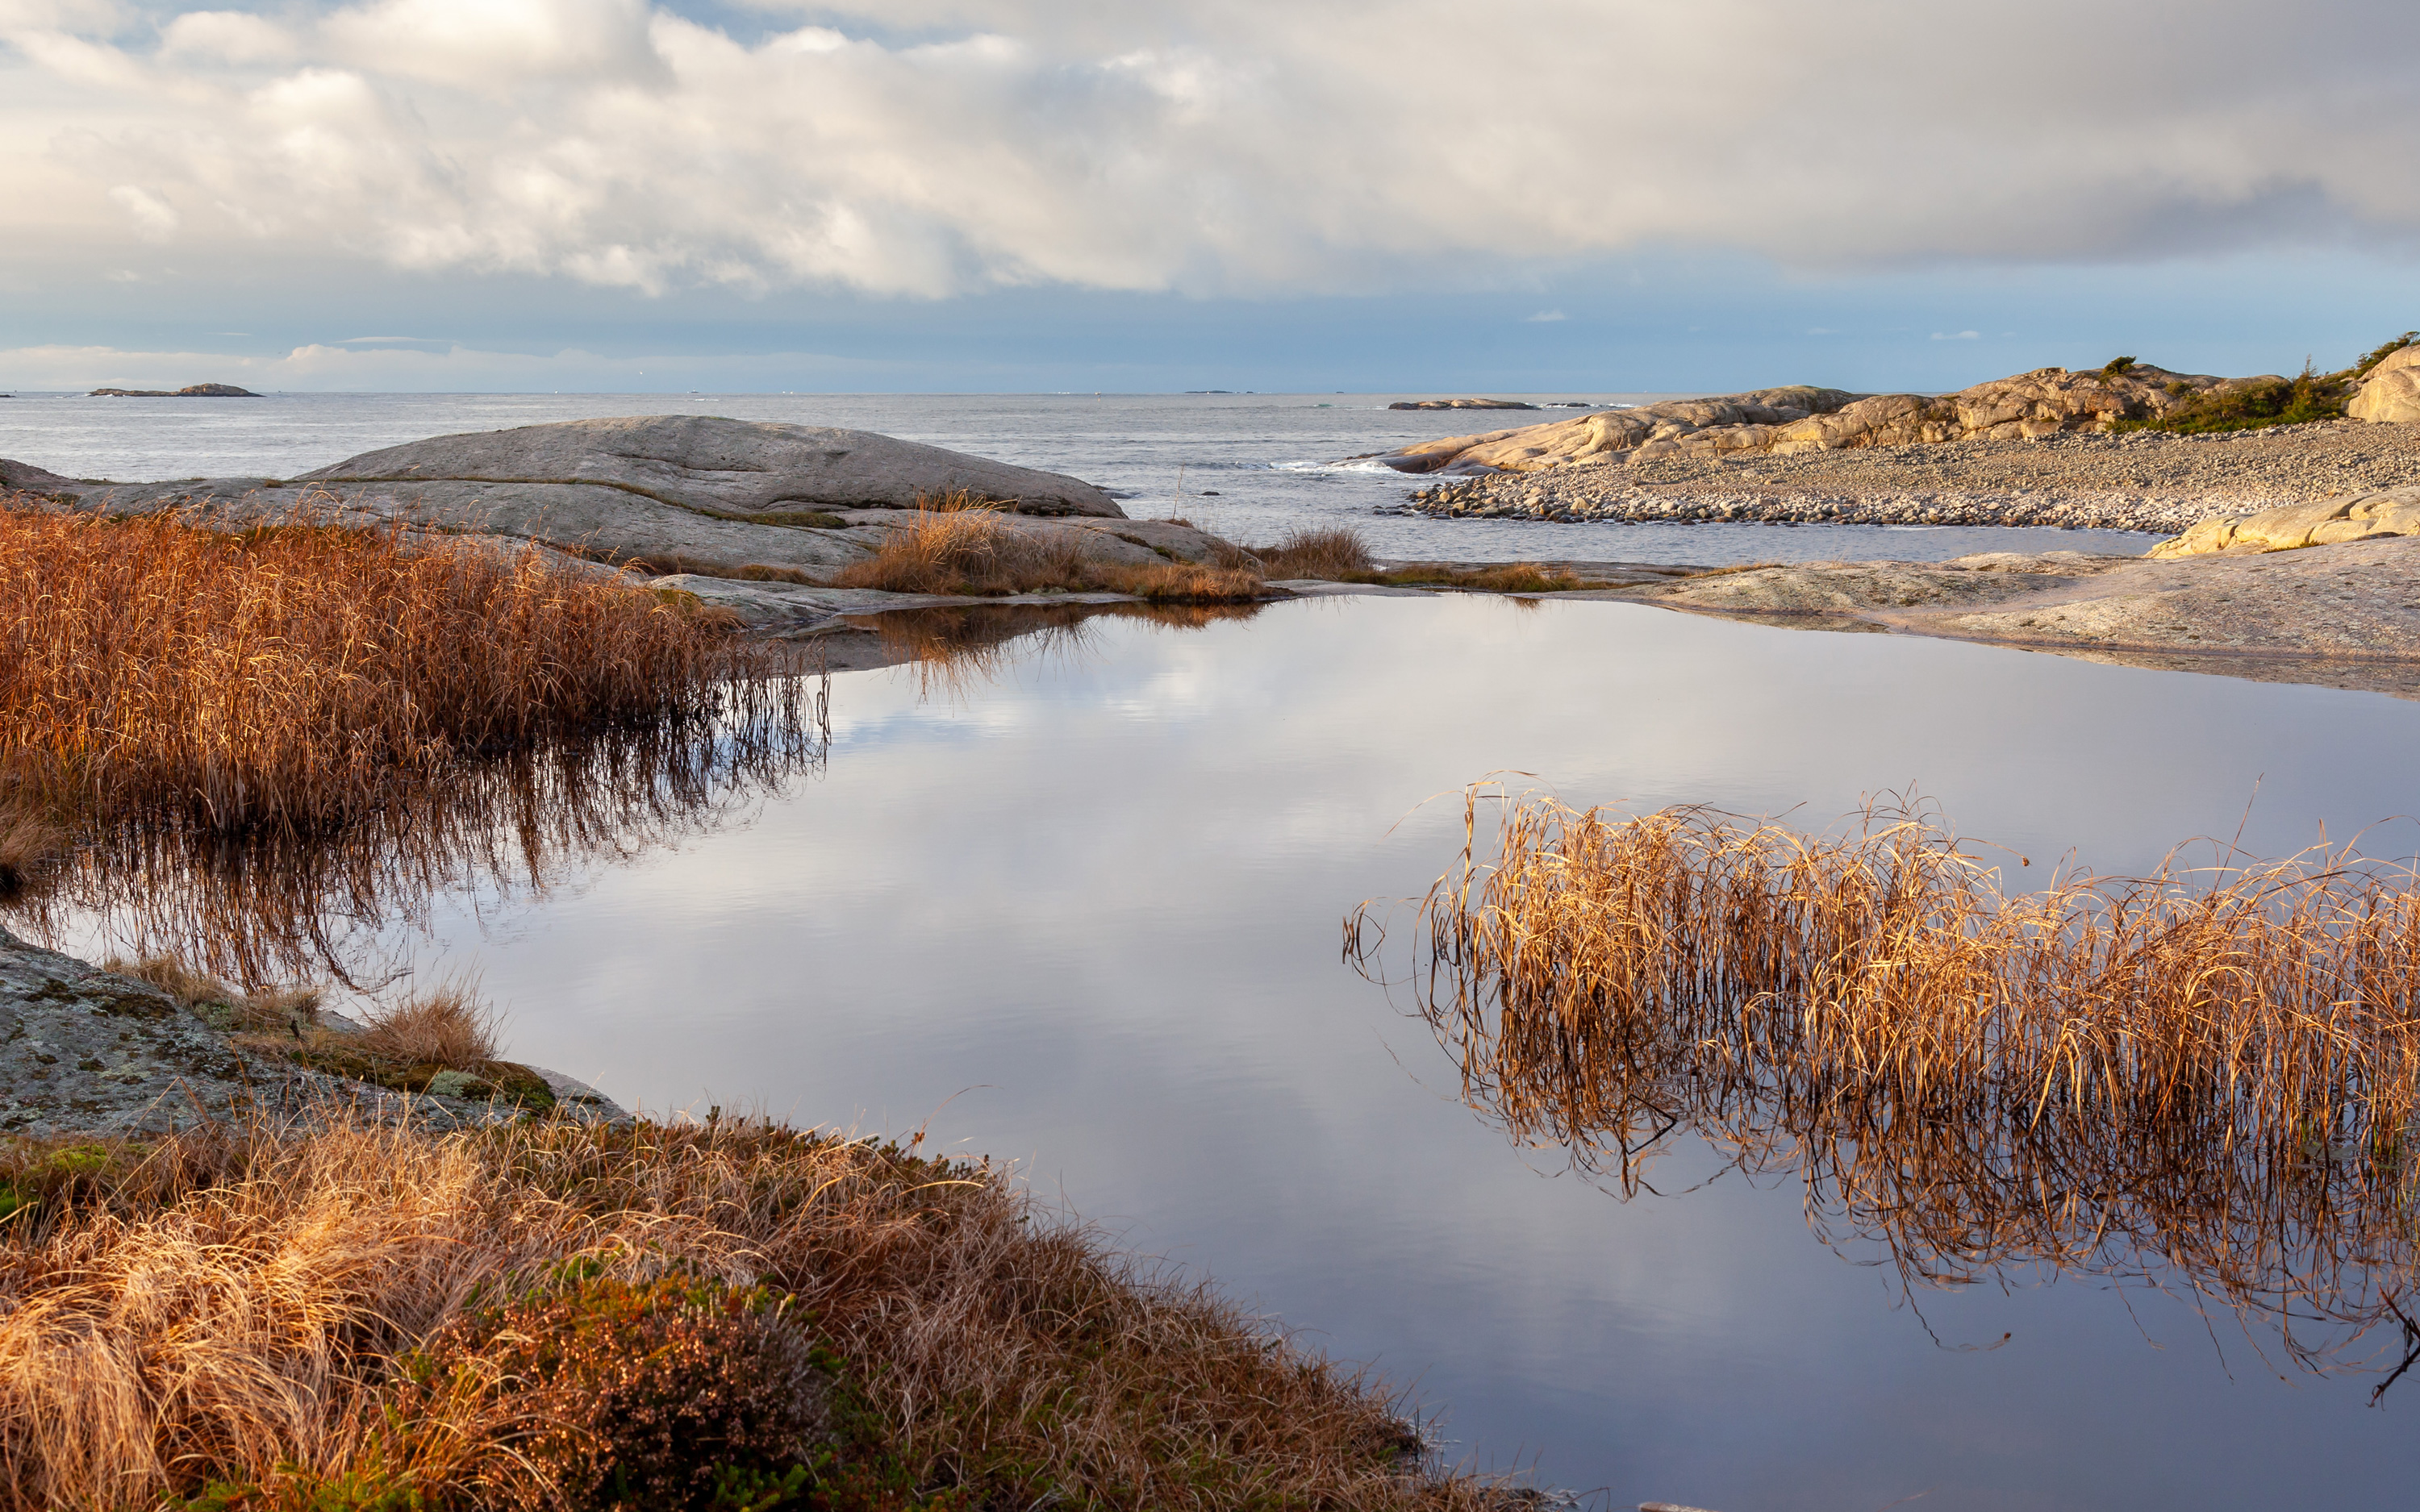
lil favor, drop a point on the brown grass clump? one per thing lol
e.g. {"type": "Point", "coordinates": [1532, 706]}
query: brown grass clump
{"type": "Point", "coordinates": [2211, 1076]}
{"type": "Point", "coordinates": [291, 1317]}
{"type": "Point", "coordinates": [1512, 578]}
{"type": "Point", "coordinates": [296, 675]}
{"type": "Point", "coordinates": [956, 544]}
{"type": "Point", "coordinates": [1330, 554]}
{"type": "Point", "coordinates": [449, 1025]}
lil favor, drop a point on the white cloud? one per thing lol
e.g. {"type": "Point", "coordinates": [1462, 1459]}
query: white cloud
{"type": "Point", "coordinates": [1543, 317]}
{"type": "Point", "coordinates": [228, 37]}
{"type": "Point", "coordinates": [155, 219]}
{"type": "Point", "coordinates": [1958, 335]}
{"type": "Point", "coordinates": [1229, 147]}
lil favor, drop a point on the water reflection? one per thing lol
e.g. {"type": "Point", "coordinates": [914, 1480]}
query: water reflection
{"type": "Point", "coordinates": [277, 906]}
{"type": "Point", "coordinates": [955, 651]}
{"type": "Point", "coordinates": [2199, 1080]}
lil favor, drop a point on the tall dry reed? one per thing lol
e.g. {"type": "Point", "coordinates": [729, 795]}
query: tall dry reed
{"type": "Point", "coordinates": [293, 676]}
{"type": "Point", "coordinates": [2206, 1076]}
{"type": "Point", "coordinates": [235, 1303]}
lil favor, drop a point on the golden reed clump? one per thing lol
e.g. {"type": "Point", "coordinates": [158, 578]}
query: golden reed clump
{"type": "Point", "coordinates": [245, 1305]}
{"type": "Point", "coordinates": [2205, 1075]}
{"type": "Point", "coordinates": [291, 676]}
{"type": "Point", "coordinates": [960, 544]}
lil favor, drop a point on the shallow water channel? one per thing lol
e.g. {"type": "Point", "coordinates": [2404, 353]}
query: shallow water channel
{"type": "Point", "coordinates": [1081, 908]}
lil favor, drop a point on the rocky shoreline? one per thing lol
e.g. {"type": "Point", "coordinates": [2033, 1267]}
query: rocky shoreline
{"type": "Point", "coordinates": [2147, 481]}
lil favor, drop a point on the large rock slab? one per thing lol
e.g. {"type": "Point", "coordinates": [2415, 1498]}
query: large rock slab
{"type": "Point", "coordinates": [2392, 392]}
{"type": "Point", "coordinates": [85, 1052]}
{"type": "Point", "coordinates": [666, 494]}
{"type": "Point", "coordinates": [2374, 515]}
{"type": "Point", "coordinates": [706, 463]}
{"type": "Point", "coordinates": [2343, 615]}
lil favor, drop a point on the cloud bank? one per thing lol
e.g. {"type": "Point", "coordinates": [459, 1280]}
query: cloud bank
{"type": "Point", "coordinates": [1215, 148]}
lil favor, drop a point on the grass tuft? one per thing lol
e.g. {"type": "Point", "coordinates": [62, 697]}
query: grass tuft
{"type": "Point", "coordinates": [1330, 554]}
{"type": "Point", "coordinates": [449, 1025]}
{"type": "Point", "coordinates": [959, 545]}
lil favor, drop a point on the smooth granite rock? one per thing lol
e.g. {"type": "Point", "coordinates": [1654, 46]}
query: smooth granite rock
{"type": "Point", "coordinates": [740, 467]}
{"type": "Point", "coordinates": [2391, 394]}
{"type": "Point", "coordinates": [2388, 512]}
{"type": "Point", "coordinates": [2045, 402]}
{"type": "Point", "coordinates": [663, 494]}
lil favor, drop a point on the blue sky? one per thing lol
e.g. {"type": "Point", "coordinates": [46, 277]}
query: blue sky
{"type": "Point", "coordinates": [1371, 195]}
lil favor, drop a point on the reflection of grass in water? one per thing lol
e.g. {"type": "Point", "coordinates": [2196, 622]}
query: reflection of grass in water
{"type": "Point", "coordinates": [955, 651]}
{"type": "Point", "coordinates": [2206, 1076]}
{"type": "Point", "coordinates": [273, 905]}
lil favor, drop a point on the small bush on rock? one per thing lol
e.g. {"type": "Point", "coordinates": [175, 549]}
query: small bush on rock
{"type": "Point", "coordinates": [679, 1394]}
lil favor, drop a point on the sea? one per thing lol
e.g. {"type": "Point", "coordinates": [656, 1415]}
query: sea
{"type": "Point", "coordinates": [1247, 465]}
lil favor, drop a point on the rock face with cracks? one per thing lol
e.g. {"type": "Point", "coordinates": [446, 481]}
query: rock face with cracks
{"type": "Point", "coordinates": [2391, 393]}
{"type": "Point", "coordinates": [679, 493]}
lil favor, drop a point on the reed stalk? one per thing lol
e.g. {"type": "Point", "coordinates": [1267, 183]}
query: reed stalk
{"type": "Point", "coordinates": [2203, 1075]}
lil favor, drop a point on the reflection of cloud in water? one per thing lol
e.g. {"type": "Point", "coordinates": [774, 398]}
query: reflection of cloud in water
{"type": "Point", "coordinates": [273, 906]}
{"type": "Point", "coordinates": [2197, 1081]}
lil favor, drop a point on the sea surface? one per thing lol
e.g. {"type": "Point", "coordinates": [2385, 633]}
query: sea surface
{"type": "Point", "coordinates": [1248, 467]}
{"type": "Point", "coordinates": [1081, 906]}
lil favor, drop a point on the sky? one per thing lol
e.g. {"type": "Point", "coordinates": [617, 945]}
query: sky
{"type": "Point", "coordinates": [1368, 195]}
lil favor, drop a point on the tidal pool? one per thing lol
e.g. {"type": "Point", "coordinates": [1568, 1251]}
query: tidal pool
{"type": "Point", "coordinates": [1082, 908]}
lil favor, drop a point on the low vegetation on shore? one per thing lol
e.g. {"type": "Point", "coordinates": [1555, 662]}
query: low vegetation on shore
{"type": "Point", "coordinates": [328, 1316]}
{"type": "Point", "coordinates": [2309, 396]}
{"type": "Point", "coordinates": [1341, 555]}
{"type": "Point", "coordinates": [959, 545]}
{"type": "Point", "coordinates": [2211, 1074]}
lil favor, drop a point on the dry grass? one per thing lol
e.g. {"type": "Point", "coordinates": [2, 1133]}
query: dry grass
{"type": "Point", "coordinates": [295, 677]}
{"type": "Point", "coordinates": [1512, 578]}
{"type": "Point", "coordinates": [29, 842]}
{"type": "Point", "coordinates": [956, 544]}
{"type": "Point", "coordinates": [450, 1025]}
{"type": "Point", "coordinates": [251, 1304]}
{"type": "Point", "coordinates": [1329, 554]}
{"type": "Point", "coordinates": [282, 1009]}
{"type": "Point", "coordinates": [2201, 1076]}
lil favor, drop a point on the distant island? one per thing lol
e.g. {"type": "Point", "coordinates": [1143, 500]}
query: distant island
{"type": "Point", "coordinates": [198, 390]}
{"type": "Point", "coordinates": [1459, 404]}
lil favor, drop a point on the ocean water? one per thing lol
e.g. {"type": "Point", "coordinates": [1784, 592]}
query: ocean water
{"type": "Point", "coordinates": [1246, 466]}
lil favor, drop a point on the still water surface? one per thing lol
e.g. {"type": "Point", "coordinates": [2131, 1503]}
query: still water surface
{"type": "Point", "coordinates": [1246, 466]}
{"type": "Point", "coordinates": [1086, 914]}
